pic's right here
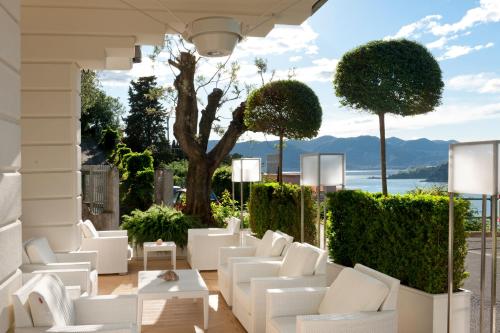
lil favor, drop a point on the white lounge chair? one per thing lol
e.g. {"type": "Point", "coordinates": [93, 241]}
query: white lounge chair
{"type": "Point", "coordinates": [359, 300]}
{"type": "Point", "coordinates": [112, 246]}
{"type": "Point", "coordinates": [203, 244]}
{"type": "Point", "coordinates": [272, 247]}
{"type": "Point", "coordinates": [303, 266]}
{"type": "Point", "coordinates": [73, 268]}
{"type": "Point", "coordinates": [43, 304]}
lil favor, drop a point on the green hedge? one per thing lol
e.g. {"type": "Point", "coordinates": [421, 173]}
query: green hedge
{"type": "Point", "coordinates": [137, 186]}
{"type": "Point", "coordinates": [404, 236]}
{"type": "Point", "coordinates": [162, 222]}
{"type": "Point", "coordinates": [276, 207]}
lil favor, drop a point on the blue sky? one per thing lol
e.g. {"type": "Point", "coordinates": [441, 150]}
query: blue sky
{"type": "Point", "coordinates": [463, 35]}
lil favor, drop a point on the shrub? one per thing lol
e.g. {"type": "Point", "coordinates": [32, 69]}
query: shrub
{"type": "Point", "coordinates": [159, 222]}
{"type": "Point", "coordinates": [404, 236]}
{"type": "Point", "coordinates": [179, 168]}
{"type": "Point", "coordinates": [137, 185]}
{"type": "Point", "coordinates": [276, 207]}
{"type": "Point", "coordinates": [227, 207]}
{"type": "Point", "coordinates": [221, 181]}
{"type": "Point", "coordinates": [109, 140]}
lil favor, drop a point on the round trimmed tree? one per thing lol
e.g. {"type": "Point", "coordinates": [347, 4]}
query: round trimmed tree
{"type": "Point", "coordinates": [389, 76]}
{"type": "Point", "coordinates": [286, 109]}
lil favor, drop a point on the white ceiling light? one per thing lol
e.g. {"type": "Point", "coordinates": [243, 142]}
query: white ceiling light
{"type": "Point", "coordinates": [214, 36]}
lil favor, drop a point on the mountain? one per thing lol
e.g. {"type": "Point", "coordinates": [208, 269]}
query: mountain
{"type": "Point", "coordinates": [362, 152]}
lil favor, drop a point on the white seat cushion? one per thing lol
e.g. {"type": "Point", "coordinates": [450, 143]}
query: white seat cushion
{"type": "Point", "coordinates": [233, 225]}
{"type": "Point", "coordinates": [271, 245]}
{"type": "Point", "coordinates": [50, 304]}
{"type": "Point", "coordinates": [88, 229]}
{"type": "Point", "coordinates": [353, 291]}
{"type": "Point", "coordinates": [283, 324]}
{"type": "Point", "coordinates": [300, 260]}
{"type": "Point", "coordinates": [39, 252]}
{"type": "Point", "coordinates": [242, 293]}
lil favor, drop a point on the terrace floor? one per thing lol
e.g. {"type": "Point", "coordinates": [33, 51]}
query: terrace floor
{"type": "Point", "coordinates": [176, 316]}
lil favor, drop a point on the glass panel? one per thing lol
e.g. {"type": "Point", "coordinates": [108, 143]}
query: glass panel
{"type": "Point", "coordinates": [332, 170]}
{"type": "Point", "coordinates": [236, 171]}
{"type": "Point", "coordinates": [251, 169]}
{"type": "Point", "coordinates": [309, 170]}
{"type": "Point", "coordinates": [471, 169]}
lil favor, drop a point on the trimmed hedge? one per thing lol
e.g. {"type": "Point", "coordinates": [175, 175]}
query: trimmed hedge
{"type": "Point", "coordinates": [162, 222]}
{"type": "Point", "coordinates": [404, 236]}
{"type": "Point", "coordinates": [137, 186]}
{"type": "Point", "coordinates": [276, 207]}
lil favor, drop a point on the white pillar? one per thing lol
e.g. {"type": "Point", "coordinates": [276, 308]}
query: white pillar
{"type": "Point", "coordinates": [10, 159]}
{"type": "Point", "coordinates": [50, 120]}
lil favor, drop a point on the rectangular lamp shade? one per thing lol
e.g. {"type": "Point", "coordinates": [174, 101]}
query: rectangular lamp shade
{"type": "Point", "coordinates": [474, 168]}
{"type": "Point", "coordinates": [246, 170]}
{"type": "Point", "coordinates": [322, 169]}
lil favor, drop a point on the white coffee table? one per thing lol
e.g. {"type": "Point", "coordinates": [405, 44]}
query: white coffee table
{"type": "Point", "coordinates": [153, 247]}
{"type": "Point", "coordinates": [189, 285]}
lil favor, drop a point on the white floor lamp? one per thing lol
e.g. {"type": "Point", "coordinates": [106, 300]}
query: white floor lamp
{"type": "Point", "coordinates": [320, 170]}
{"type": "Point", "coordinates": [474, 169]}
{"type": "Point", "coordinates": [245, 170]}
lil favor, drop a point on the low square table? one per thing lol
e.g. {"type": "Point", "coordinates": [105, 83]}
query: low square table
{"type": "Point", "coordinates": [189, 285]}
{"type": "Point", "coordinates": [153, 247]}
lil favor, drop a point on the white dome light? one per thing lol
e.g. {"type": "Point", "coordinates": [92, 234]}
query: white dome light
{"type": "Point", "coordinates": [214, 36]}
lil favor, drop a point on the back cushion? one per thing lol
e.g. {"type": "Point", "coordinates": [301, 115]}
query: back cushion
{"type": "Point", "coordinates": [299, 260]}
{"type": "Point", "coordinates": [265, 245]}
{"type": "Point", "coordinates": [320, 265]}
{"type": "Point", "coordinates": [88, 229]}
{"type": "Point", "coordinates": [26, 259]}
{"type": "Point", "coordinates": [233, 225]}
{"type": "Point", "coordinates": [39, 252]}
{"type": "Point", "coordinates": [353, 291]}
{"type": "Point", "coordinates": [49, 303]}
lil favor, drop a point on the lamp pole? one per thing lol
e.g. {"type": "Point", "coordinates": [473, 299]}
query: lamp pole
{"type": "Point", "coordinates": [451, 227]}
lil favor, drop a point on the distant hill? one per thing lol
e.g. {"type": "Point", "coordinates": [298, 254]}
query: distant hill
{"type": "Point", "coordinates": [362, 152]}
{"type": "Point", "coordinates": [430, 174]}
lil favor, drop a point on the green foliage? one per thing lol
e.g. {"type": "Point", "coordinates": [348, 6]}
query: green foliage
{"type": "Point", "coordinates": [137, 187]}
{"type": "Point", "coordinates": [277, 207]}
{"type": "Point", "coordinates": [145, 125]}
{"type": "Point", "coordinates": [118, 156]}
{"type": "Point", "coordinates": [285, 108]}
{"type": "Point", "coordinates": [404, 236]}
{"type": "Point", "coordinates": [180, 169]}
{"type": "Point", "coordinates": [157, 222]}
{"type": "Point", "coordinates": [109, 141]}
{"type": "Point", "coordinates": [221, 180]}
{"type": "Point", "coordinates": [437, 173]}
{"type": "Point", "coordinates": [396, 76]}
{"type": "Point", "coordinates": [432, 190]}
{"type": "Point", "coordinates": [227, 207]}
{"type": "Point", "coordinates": [99, 111]}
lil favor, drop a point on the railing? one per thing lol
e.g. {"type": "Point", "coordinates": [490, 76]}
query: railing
{"type": "Point", "coordinates": [94, 187]}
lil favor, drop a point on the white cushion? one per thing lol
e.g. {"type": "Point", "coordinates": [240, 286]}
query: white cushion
{"type": "Point", "coordinates": [320, 265]}
{"type": "Point", "coordinates": [278, 244]}
{"type": "Point", "coordinates": [26, 259]}
{"type": "Point", "coordinates": [353, 291]}
{"type": "Point", "coordinates": [88, 229]}
{"type": "Point", "coordinates": [50, 304]}
{"type": "Point", "coordinates": [299, 260]}
{"type": "Point", "coordinates": [39, 252]}
{"type": "Point", "coordinates": [265, 245]}
{"type": "Point", "coordinates": [233, 225]}
{"type": "Point", "coordinates": [286, 324]}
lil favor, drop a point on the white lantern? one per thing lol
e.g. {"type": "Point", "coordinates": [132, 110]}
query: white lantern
{"type": "Point", "coordinates": [246, 170]}
{"type": "Point", "coordinates": [322, 169]}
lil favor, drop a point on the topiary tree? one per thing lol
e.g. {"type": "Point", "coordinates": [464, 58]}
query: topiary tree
{"type": "Point", "coordinates": [287, 109]}
{"type": "Point", "coordinates": [389, 76]}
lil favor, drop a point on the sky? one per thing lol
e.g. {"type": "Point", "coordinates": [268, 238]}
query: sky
{"type": "Point", "coordinates": [463, 35]}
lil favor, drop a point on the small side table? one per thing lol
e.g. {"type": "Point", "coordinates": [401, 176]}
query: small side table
{"type": "Point", "coordinates": [153, 247]}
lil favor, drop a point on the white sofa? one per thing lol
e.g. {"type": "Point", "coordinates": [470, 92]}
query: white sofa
{"type": "Point", "coordinates": [303, 266]}
{"type": "Point", "coordinates": [203, 244]}
{"type": "Point", "coordinates": [43, 304]}
{"type": "Point", "coordinates": [359, 300]}
{"type": "Point", "coordinates": [73, 268]}
{"type": "Point", "coordinates": [272, 247]}
{"type": "Point", "coordinates": [113, 248]}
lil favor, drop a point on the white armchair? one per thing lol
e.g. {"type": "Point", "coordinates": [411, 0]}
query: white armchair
{"type": "Point", "coordinates": [303, 266]}
{"type": "Point", "coordinates": [112, 247]}
{"type": "Point", "coordinates": [44, 305]}
{"type": "Point", "coordinates": [203, 244]}
{"type": "Point", "coordinates": [73, 268]}
{"type": "Point", "coordinates": [272, 247]}
{"type": "Point", "coordinates": [359, 300]}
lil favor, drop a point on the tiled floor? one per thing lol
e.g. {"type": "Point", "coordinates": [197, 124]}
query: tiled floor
{"type": "Point", "coordinates": [176, 316]}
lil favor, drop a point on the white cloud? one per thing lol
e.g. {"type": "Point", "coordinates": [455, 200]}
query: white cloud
{"type": "Point", "coordinates": [416, 29]}
{"type": "Point", "coordinates": [456, 51]}
{"type": "Point", "coordinates": [321, 70]}
{"type": "Point", "coordinates": [295, 58]}
{"type": "Point", "coordinates": [481, 83]}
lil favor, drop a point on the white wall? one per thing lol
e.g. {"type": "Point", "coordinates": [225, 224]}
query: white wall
{"type": "Point", "coordinates": [50, 120]}
{"type": "Point", "coordinates": [10, 158]}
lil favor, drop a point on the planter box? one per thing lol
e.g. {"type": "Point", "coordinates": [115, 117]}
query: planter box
{"type": "Point", "coordinates": [420, 312]}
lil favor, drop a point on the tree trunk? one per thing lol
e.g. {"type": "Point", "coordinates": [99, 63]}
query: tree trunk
{"type": "Point", "coordinates": [383, 165]}
{"type": "Point", "coordinates": [198, 184]}
{"type": "Point", "coordinates": [280, 161]}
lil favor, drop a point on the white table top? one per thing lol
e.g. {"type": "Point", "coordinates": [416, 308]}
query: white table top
{"type": "Point", "coordinates": [165, 245]}
{"type": "Point", "coordinates": [190, 280]}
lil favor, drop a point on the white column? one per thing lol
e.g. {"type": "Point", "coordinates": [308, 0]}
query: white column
{"type": "Point", "coordinates": [50, 120]}
{"type": "Point", "coordinates": [10, 159]}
